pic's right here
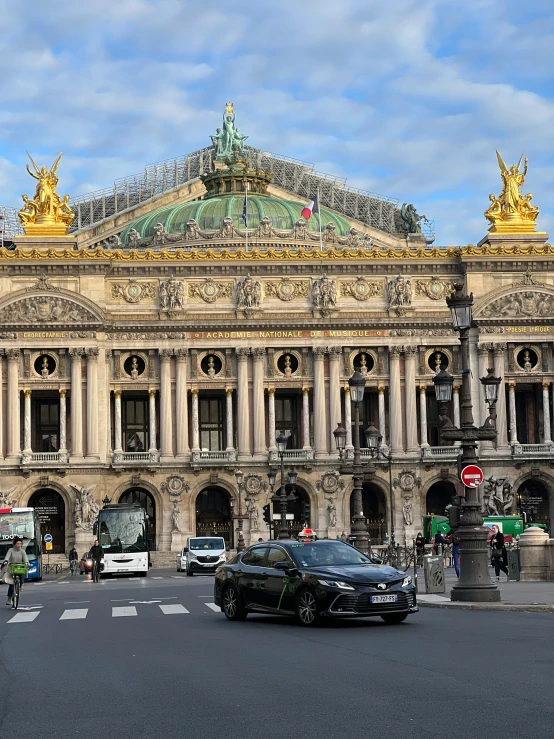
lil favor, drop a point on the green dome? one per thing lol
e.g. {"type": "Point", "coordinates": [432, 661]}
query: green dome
{"type": "Point", "coordinates": [209, 215]}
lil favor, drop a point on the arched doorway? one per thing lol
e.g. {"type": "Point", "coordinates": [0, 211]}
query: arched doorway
{"type": "Point", "coordinates": [50, 508]}
{"type": "Point", "coordinates": [375, 512]}
{"type": "Point", "coordinates": [533, 502]}
{"type": "Point", "coordinates": [146, 500]}
{"type": "Point", "coordinates": [300, 508]}
{"type": "Point", "coordinates": [438, 496]}
{"type": "Point", "coordinates": [213, 514]}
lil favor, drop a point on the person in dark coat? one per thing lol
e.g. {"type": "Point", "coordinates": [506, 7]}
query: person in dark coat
{"type": "Point", "coordinates": [439, 543]}
{"type": "Point", "coordinates": [498, 552]}
{"type": "Point", "coordinates": [420, 548]}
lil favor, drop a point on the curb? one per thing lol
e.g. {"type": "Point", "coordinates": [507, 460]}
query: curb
{"type": "Point", "coordinates": [489, 607]}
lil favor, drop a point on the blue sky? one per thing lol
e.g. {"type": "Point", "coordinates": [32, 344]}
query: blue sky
{"type": "Point", "coordinates": [407, 98]}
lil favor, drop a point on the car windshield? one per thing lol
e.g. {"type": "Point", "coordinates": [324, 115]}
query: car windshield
{"type": "Point", "coordinates": [122, 530]}
{"type": "Point", "coordinates": [198, 544]}
{"type": "Point", "coordinates": [323, 554]}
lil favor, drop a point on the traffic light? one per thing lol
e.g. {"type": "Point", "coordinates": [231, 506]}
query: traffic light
{"type": "Point", "coordinates": [305, 512]}
{"type": "Point", "coordinates": [267, 514]}
{"type": "Point", "coordinates": [453, 513]}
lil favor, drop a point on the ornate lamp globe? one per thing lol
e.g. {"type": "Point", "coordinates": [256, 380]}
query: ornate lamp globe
{"type": "Point", "coordinates": [491, 386]}
{"type": "Point", "coordinates": [443, 382]}
{"type": "Point", "coordinates": [460, 308]}
{"type": "Point", "coordinates": [357, 386]}
{"type": "Point", "coordinates": [340, 437]}
{"type": "Point", "coordinates": [372, 436]}
{"type": "Point", "coordinates": [282, 441]}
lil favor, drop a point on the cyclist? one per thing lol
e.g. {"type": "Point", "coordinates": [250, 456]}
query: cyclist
{"type": "Point", "coordinates": [15, 555]}
{"type": "Point", "coordinates": [73, 560]}
{"type": "Point", "coordinates": [97, 555]}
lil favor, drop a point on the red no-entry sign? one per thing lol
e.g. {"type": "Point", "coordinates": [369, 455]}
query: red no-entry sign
{"type": "Point", "coordinates": [472, 476]}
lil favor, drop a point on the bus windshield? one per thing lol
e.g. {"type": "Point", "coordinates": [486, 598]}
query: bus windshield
{"type": "Point", "coordinates": [22, 524]}
{"type": "Point", "coordinates": [122, 530]}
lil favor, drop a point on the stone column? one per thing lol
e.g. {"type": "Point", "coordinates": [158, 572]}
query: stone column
{"type": "Point", "coordinates": [14, 433]}
{"type": "Point", "coordinates": [348, 418]}
{"type": "Point", "coordinates": [306, 418]}
{"type": "Point", "coordinates": [27, 450]}
{"type": "Point", "coordinates": [243, 409]}
{"type": "Point", "coordinates": [181, 403]}
{"type": "Point", "coordinates": [195, 422]}
{"type": "Point", "coordinates": [1, 407]}
{"type": "Point", "coordinates": [411, 404]}
{"type": "Point", "coordinates": [76, 404]}
{"type": "Point", "coordinates": [456, 409]}
{"type": "Point", "coordinates": [546, 412]}
{"type": "Point", "coordinates": [501, 424]}
{"type": "Point", "coordinates": [513, 415]}
{"type": "Point", "coordinates": [483, 356]}
{"type": "Point", "coordinates": [63, 426]}
{"type": "Point", "coordinates": [320, 416]}
{"type": "Point", "coordinates": [117, 422]}
{"type": "Point", "coordinates": [229, 426]}
{"type": "Point", "coordinates": [108, 359]}
{"type": "Point", "coordinates": [166, 416]}
{"type": "Point", "coordinates": [152, 421]}
{"type": "Point", "coordinates": [271, 419]}
{"type": "Point", "coordinates": [423, 415]}
{"type": "Point", "coordinates": [258, 402]}
{"type": "Point", "coordinates": [382, 416]}
{"type": "Point", "coordinates": [395, 403]}
{"type": "Point", "coordinates": [92, 403]}
{"type": "Point", "coordinates": [335, 415]}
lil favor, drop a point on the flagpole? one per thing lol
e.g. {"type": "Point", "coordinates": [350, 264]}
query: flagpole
{"type": "Point", "coordinates": [319, 216]}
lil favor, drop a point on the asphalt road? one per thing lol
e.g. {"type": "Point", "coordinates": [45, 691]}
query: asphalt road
{"type": "Point", "coordinates": [186, 671]}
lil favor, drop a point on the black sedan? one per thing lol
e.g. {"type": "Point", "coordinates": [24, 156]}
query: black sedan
{"type": "Point", "coordinates": [324, 578]}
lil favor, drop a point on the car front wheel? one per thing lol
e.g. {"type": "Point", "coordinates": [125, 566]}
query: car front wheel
{"type": "Point", "coordinates": [394, 618]}
{"type": "Point", "coordinates": [233, 607]}
{"type": "Point", "coordinates": [306, 608]}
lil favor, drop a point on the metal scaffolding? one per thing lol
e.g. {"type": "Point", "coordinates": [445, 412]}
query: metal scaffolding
{"type": "Point", "coordinates": [290, 174]}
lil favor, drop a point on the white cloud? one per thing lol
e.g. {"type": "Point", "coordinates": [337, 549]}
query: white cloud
{"type": "Point", "coordinates": [409, 98]}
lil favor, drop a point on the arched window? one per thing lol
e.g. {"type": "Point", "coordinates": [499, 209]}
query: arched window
{"type": "Point", "coordinates": [213, 513]}
{"type": "Point", "coordinates": [50, 508]}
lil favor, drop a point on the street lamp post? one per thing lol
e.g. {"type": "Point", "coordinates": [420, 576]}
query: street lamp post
{"type": "Point", "coordinates": [359, 532]}
{"type": "Point", "coordinates": [374, 438]}
{"type": "Point", "coordinates": [239, 516]}
{"type": "Point", "coordinates": [474, 583]}
{"type": "Point", "coordinates": [282, 498]}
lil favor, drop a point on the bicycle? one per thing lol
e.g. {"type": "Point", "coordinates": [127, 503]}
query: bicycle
{"type": "Point", "coordinates": [95, 571]}
{"type": "Point", "coordinates": [18, 572]}
{"type": "Point", "coordinates": [73, 566]}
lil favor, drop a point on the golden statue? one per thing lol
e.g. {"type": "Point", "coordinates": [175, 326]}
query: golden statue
{"type": "Point", "coordinates": [46, 214]}
{"type": "Point", "coordinates": [510, 212]}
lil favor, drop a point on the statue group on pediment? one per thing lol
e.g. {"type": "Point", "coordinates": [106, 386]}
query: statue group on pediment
{"type": "Point", "coordinates": [249, 293]}
{"type": "Point", "coordinates": [400, 293]}
{"type": "Point", "coordinates": [172, 294]}
{"type": "Point", "coordinates": [324, 293]}
{"type": "Point", "coordinates": [525, 304]}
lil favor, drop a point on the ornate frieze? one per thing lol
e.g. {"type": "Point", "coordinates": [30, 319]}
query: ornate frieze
{"type": "Point", "coordinates": [172, 294]}
{"type": "Point", "coordinates": [209, 290]}
{"type": "Point", "coordinates": [399, 293]}
{"type": "Point", "coordinates": [286, 289]}
{"type": "Point", "coordinates": [249, 293]}
{"type": "Point", "coordinates": [175, 485]}
{"type": "Point", "coordinates": [435, 288]}
{"type": "Point", "coordinates": [523, 304]}
{"type": "Point", "coordinates": [45, 309]}
{"type": "Point", "coordinates": [324, 293]}
{"type": "Point", "coordinates": [133, 291]}
{"type": "Point", "coordinates": [361, 289]}
{"type": "Point", "coordinates": [330, 482]}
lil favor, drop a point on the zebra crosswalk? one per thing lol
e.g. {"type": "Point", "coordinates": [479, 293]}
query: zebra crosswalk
{"type": "Point", "coordinates": [119, 611]}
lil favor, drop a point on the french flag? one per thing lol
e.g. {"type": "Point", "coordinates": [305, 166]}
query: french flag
{"type": "Point", "coordinates": [311, 207]}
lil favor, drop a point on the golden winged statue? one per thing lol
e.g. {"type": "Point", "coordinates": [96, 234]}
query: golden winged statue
{"type": "Point", "coordinates": [46, 214]}
{"type": "Point", "coordinates": [511, 212]}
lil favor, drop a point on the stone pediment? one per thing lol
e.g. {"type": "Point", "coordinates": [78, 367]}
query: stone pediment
{"type": "Point", "coordinates": [534, 302]}
{"type": "Point", "coordinates": [48, 306]}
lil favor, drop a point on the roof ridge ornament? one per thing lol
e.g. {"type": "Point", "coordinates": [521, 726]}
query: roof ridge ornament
{"type": "Point", "coordinates": [46, 214]}
{"type": "Point", "coordinates": [511, 212]}
{"type": "Point", "coordinates": [229, 141]}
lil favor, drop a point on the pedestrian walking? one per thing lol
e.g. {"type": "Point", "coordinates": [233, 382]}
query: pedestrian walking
{"type": "Point", "coordinates": [439, 543]}
{"type": "Point", "coordinates": [456, 552]}
{"type": "Point", "coordinates": [420, 548]}
{"type": "Point", "coordinates": [499, 556]}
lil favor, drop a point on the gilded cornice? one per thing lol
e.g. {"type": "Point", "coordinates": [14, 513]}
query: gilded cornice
{"type": "Point", "coordinates": [239, 254]}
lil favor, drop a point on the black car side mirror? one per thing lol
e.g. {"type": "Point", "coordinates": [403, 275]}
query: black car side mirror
{"type": "Point", "coordinates": [285, 566]}
{"type": "Point", "coordinates": [185, 550]}
{"type": "Point", "coordinates": [376, 561]}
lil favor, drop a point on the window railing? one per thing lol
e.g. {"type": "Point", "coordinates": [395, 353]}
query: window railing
{"type": "Point", "coordinates": [206, 455]}
{"type": "Point", "coordinates": [448, 452]}
{"type": "Point", "coordinates": [533, 449]}
{"type": "Point", "coordinates": [296, 455]}
{"type": "Point", "coordinates": [134, 457]}
{"type": "Point", "coordinates": [44, 458]}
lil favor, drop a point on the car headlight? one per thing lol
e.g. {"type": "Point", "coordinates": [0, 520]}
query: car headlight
{"type": "Point", "coordinates": [406, 581]}
{"type": "Point", "coordinates": [337, 584]}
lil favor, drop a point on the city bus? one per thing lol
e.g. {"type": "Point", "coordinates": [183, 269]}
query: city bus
{"type": "Point", "coordinates": [122, 530]}
{"type": "Point", "coordinates": [22, 522]}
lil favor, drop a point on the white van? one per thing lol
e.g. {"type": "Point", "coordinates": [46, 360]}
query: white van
{"type": "Point", "coordinates": [202, 554]}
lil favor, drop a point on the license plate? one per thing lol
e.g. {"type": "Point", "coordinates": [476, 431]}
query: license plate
{"type": "Point", "coordinates": [383, 599]}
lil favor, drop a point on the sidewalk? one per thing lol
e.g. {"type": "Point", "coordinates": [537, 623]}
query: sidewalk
{"type": "Point", "coordinates": [515, 596]}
